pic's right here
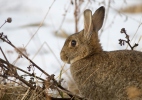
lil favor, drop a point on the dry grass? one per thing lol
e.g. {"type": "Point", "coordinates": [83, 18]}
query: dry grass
{"type": "Point", "coordinates": [12, 92]}
{"type": "Point", "coordinates": [132, 9]}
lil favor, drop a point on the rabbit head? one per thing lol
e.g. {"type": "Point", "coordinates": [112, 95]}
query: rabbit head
{"type": "Point", "coordinates": [85, 42]}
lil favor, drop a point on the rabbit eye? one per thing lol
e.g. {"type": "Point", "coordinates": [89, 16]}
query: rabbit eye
{"type": "Point", "coordinates": [73, 43]}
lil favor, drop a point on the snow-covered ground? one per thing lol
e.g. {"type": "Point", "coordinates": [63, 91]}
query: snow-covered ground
{"type": "Point", "coordinates": [24, 13]}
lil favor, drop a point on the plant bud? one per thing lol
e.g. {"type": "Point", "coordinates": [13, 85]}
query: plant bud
{"type": "Point", "coordinates": [9, 20]}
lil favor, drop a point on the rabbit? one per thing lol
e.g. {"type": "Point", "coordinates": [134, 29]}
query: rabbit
{"type": "Point", "coordinates": [102, 75]}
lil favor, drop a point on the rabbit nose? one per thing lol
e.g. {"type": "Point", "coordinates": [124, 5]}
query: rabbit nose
{"type": "Point", "coordinates": [63, 56]}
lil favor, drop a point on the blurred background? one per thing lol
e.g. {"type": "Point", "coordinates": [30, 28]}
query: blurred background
{"type": "Point", "coordinates": [40, 27]}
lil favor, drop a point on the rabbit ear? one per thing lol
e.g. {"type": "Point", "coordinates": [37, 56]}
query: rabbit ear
{"type": "Point", "coordinates": [88, 26]}
{"type": "Point", "coordinates": [98, 18]}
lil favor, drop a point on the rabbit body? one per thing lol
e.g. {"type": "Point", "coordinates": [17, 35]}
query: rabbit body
{"type": "Point", "coordinates": [109, 75]}
{"type": "Point", "coordinates": [102, 75]}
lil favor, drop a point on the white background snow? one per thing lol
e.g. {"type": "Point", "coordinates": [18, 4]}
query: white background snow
{"type": "Point", "coordinates": [25, 12]}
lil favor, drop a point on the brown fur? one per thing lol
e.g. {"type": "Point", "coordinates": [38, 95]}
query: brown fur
{"type": "Point", "coordinates": [133, 93]}
{"type": "Point", "coordinates": [107, 75]}
{"type": "Point", "coordinates": [102, 75]}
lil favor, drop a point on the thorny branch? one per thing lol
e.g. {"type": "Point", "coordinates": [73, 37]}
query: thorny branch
{"type": "Point", "coordinates": [11, 71]}
{"type": "Point", "coordinates": [122, 42]}
{"type": "Point", "coordinates": [7, 63]}
{"type": "Point", "coordinates": [5, 39]}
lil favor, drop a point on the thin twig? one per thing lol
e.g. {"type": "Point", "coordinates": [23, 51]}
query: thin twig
{"type": "Point", "coordinates": [1, 60]}
{"type": "Point", "coordinates": [136, 32]}
{"type": "Point", "coordinates": [3, 24]}
{"type": "Point", "coordinates": [13, 81]}
{"type": "Point", "coordinates": [4, 55]}
{"type": "Point", "coordinates": [122, 42]}
{"type": "Point", "coordinates": [24, 56]}
{"type": "Point", "coordinates": [63, 20]}
{"type": "Point", "coordinates": [40, 24]}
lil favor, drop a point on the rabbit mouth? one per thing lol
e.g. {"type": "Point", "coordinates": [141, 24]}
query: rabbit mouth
{"type": "Point", "coordinates": [65, 59]}
{"type": "Point", "coordinates": [68, 61]}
